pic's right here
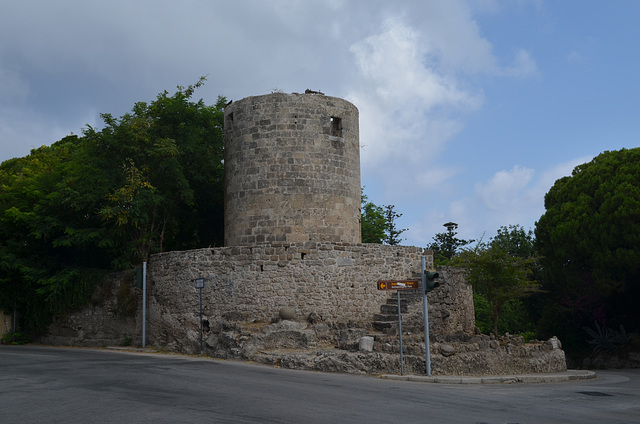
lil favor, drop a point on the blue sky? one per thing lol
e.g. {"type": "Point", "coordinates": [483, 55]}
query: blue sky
{"type": "Point", "coordinates": [469, 110]}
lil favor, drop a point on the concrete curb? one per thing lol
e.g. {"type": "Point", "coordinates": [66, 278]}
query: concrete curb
{"type": "Point", "coordinates": [132, 349]}
{"type": "Point", "coordinates": [570, 375]}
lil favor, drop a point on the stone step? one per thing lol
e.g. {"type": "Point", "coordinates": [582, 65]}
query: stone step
{"type": "Point", "coordinates": [394, 303]}
{"type": "Point", "coordinates": [386, 317]}
{"type": "Point", "coordinates": [383, 325]}
{"type": "Point", "coordinates": [411, 297]}
{"type": "Point", "coordinates": [393, 309]}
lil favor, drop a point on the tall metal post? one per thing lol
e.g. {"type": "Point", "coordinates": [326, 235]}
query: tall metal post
{"type": "Point", "coordinates": [400, 333]}
{"type": "Point", "coordinates": [200, 285]}
{"type": "Point", "coordinates": [14, 327]}
{"type": "Point", "coordinates": [144, 304]}
{"type": "Point", "coordinates": [425, 308]}
{"type": "Point", "coordinates": [200, 320]}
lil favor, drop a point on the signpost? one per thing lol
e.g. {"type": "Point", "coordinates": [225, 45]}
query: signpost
{"type": "Point", "coordinates": [427, 285]}
{"type": "Point", "coordinates": [200, 285]}
{"type": "Point", "coordinates": [425, 310]}
{"type": "Point", "coordinates": [399, 285]}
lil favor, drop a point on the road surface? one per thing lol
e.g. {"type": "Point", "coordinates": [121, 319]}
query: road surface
{"type": "Point", "coordinates": [65, 385]}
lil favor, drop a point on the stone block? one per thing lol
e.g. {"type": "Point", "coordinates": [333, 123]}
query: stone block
{"type": "Point", "coordinates": [365, 344]}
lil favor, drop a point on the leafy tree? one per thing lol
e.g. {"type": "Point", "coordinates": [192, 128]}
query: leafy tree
{"type": "Point", "coordinates": [589, 241]}
{"type": "Point", "coordinates": [50, 243]}
{"type": "Point", "coordinates": [377, 223]}
{"type": "Point", "coordinates": [392, 233]}
{"type": "Point", "coordinates": [518, 312]}
{"type": "Point", "coordinates": [372, 221]}
{"type": "Point", "coordinates": [446, 245]}
{"type": "Point", "coordinates": [169, 194]}
{"type": "Point", "coordinates": [498, 276]}
{"type": "Point", "coordinates": [513, 318]}
{"type": "Point", "coordinates": [515, 240]}
{"type": "Point", "coordinates": [148, 181]}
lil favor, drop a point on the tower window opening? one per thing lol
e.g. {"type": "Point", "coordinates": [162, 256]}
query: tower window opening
{"type": "Point", "coordinates": [336, 127]}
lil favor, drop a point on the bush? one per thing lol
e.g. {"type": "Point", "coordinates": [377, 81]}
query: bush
{"type": "Point", "coordinates": [15, 338]}
{"type": "Point", "coordinates": [606, 341]}
{"type": "Point", "coordinates": [514, 317]}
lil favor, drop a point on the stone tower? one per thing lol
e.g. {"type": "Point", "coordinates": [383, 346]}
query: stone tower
{"type": "Point", "coordinates": [292, 170]}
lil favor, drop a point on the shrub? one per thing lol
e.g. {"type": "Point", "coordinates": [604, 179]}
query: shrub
{"type": "Point", "coordinates": [15, 338]}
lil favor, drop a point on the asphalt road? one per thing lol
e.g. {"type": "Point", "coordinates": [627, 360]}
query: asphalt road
{"type": "Point", "coordinates": [64, 385]}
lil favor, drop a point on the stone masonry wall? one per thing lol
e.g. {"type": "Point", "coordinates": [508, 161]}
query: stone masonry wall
{"type": "Point", "coordinates": [334, 282]}
{"type": "Point", "coordinates": [292, 170]}
{"type": "Point", "coordinates": [113, 318]}
{"type": "Point", "coordinates": [451, 309]}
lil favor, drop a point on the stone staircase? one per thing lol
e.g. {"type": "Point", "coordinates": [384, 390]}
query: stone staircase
{"type": "Point", "coordinates": [387, 320]}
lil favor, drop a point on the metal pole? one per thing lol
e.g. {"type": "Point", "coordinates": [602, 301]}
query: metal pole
{"type": "Point", "coordinates": [144, 304]}
{"type": "Point", "coordinates": [425, 308]}
{"type": "Point", "coordinates": [400, 334]}
{"type": "Point", "coordinates": [200, 320]}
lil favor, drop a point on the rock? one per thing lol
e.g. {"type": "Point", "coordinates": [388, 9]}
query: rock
{"type": "Point", "coordinates": [349, 338]}
{"type": "Point", "coordinates": [366, 344]}
{"type": "Point", "coordinates": [447, 350]}
{"type": "Point", "coordinates": [555, 343]}
{"type": "Point", "coordinates": [216, 327]}
{"type": "Point", "coordinates": [314, 318]}
{"type": "Point", "coordinates": [287, 313]}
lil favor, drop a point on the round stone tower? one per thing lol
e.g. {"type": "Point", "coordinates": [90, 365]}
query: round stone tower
{"type": "Point", "coordinates": [292, 170]}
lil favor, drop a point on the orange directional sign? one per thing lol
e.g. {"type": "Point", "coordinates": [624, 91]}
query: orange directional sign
{"type": "Point", "coordinates": [397, 284]}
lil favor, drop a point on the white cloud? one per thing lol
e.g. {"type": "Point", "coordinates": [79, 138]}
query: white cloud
{"type": "Point", "coordinates": [524, 66]}
{"type": "Point", "coordinates": [450, 29]}
{"type": "Point", "coordinates": [509, 197]}
{"type": "Point", "coordinates": [412, 98]}
{"type": "Point", "coordinates": [407, 105]}
{"type": "Point", "coordinates": [551, 175]}
{"type": "Point", "coordinates": [504, 188]}
{"type": "Point", "coordinates": [393, 63]}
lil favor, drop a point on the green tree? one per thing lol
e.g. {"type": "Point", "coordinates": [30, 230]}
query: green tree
{"type": "Point", "coordinates": [391, 232]}
{"type": "Point", "coordinates": [377, 223]}
{"type": "Point", "coordinates": [148, 181]}
{"type": "Point", "coordinates": [515, 241]}
{"type": "Point", "coordinates": [514, 317]}
{"type": "Point", "coordinates": [169, 194]}
{"type": "Point", "coordinates": [589, 242]}
{"type": "Point", "coordinates": [520, 315]}
{"type": "Point", "coordinates": [50, 242]}
{"type": "Point", "coordinates": [446, 245]}
{"type": "Point", "coordinates": [498, 276]}
{"type": "Point", "coordinates": [372, 221]}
